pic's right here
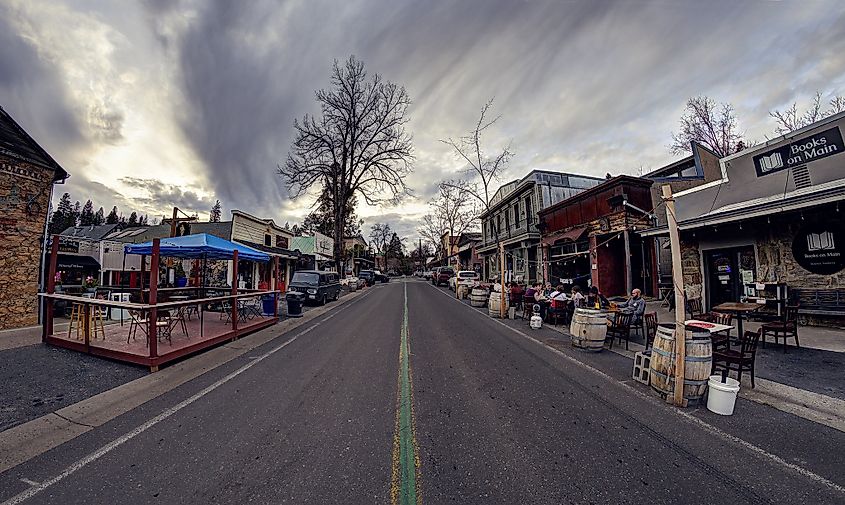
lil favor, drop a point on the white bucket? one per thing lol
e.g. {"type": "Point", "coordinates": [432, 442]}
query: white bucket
{"type": "Point", "coordinates": [721, 396]}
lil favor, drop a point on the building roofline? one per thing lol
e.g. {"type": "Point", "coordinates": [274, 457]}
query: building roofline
{"type": "Point", "coordinates": [59, 173]}
{"type": "Point", "coordinates": [609, 183]}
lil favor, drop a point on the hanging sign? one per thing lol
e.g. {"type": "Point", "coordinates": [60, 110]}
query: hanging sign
{"type": "Point", "coordinates": [818, 248]}
{"type": "Point", "coordinates": [805, 150]}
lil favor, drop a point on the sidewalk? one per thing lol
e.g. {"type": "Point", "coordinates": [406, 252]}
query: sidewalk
{"type": "Point", "coordinates": [807, 382]}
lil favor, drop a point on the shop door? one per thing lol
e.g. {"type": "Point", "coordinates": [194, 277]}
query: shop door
{"type": "Point", "coordinates": [727, 272]}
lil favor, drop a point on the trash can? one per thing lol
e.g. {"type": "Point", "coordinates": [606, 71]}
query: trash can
{"type": "Point", "coordinates": [267, 304]}
{"type": "Point", "coordinates": [294, 304]}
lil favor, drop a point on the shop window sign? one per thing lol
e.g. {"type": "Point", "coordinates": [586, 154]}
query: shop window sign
{"type": "Point", "coordinates": [818, 248]}
{"type": "Point", "coordinates": [805, 150]}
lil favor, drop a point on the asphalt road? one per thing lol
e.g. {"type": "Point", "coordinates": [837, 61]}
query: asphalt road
{"type": "Point", "coordinates": [311, 418]}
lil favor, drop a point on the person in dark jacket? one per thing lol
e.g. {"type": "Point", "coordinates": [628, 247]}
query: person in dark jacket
{"type": "Point", "coordinates": [596, 300]}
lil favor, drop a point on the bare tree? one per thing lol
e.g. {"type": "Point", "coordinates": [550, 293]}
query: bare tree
{"type": "Point", "coordinates": [483, 171]}
{"type": "Point", "coordinates": [358, 145]}
{"type": "Point", "coordinates": [790, 120]}
{"type": "Point", "coordinates": [380, 235]}
{"type": "Point", "coordinates": [431, 229]}
{"type": "Point", "coordinates": [453, 212]}
{"type": "Point", "coordinates": [711, 124]}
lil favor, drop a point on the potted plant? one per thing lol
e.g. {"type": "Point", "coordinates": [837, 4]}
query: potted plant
{"type": "Point", "coordinates": [90, 284]}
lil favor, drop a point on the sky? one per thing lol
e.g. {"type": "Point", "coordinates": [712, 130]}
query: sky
{"type": "Point", "coordinates": [155, 103]}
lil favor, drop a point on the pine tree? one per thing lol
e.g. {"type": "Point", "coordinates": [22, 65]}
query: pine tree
{"type": "Point", "coordinates": [133, 219]}
{"type": "Point", "coordinates": [214, 215]}
{"type": "Point", "coordinates": [99, 217]}
{"type": "Point", "coordinates": [77, 211]}
{"type": "Point", "coordinates": [62, 215]}
{"type": "Point", "coordinates": [112, 217]}
{"type": "Point", "coordinates": [86, 217]}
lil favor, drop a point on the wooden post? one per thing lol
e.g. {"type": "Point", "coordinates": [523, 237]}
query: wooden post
{"type": "Point", "coordinates": [276, 261]}
{"type": "Point", "coordinates": [47, 328]}
{"type": "Point", "coordinates": [502, 280]}
{"type": "Point", "coordinates": [152, 318]}
{"type": "Point", "coordinates": [86, 325]}
{"type": "Point", "coordinates": [235, 292]}
{"type": "Point", "coordinates": [629, 282]}
{"type": "Point", "coordinates": [678, 282]}
{"type": "Point", "coordinates": [143, 271]}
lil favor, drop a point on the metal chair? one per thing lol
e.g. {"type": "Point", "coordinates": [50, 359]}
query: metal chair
{"type": "Point", "coordinates": [744, 358]}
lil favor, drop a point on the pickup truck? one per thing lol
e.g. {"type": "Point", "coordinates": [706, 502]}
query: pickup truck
{"type": "Point", "coordinates": [442, 276]}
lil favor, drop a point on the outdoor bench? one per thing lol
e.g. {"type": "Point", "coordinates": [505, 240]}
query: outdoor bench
{"type": "Point", "coordinates": [820, 302]}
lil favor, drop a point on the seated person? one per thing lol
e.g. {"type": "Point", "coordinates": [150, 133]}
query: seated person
{"type": "Point", "coordinates": [515, 293]}
{"type": "Point", "coordinates": [541, 299]}
{"type": "Point", "coordinates": [596, 300]}
{"type": "Point", "coordinates": [577, 297]}
{"type": "Point", "coordinates": [635, 305]}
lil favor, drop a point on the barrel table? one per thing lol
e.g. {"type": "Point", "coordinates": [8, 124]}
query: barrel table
{"type": "Point", "coordinates": [588, 329]}
{"type": "Point", "coordinates": [697, 363]}
{"type": "Point", "coordinates": [478, 297]}
{"type": "Point", "coordinates": [496, 302]}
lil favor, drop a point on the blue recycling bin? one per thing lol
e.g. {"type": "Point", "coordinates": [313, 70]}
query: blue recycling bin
{"type": "Point", "coordinates": [267, 302]}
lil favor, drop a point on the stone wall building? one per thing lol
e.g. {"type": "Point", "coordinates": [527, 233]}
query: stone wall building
{"type": "Point", "coordinates": [770, 230]}
{"type": "Point", "coordinates": [27, 175]}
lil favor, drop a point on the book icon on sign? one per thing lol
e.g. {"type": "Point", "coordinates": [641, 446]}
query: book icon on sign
{"type": "Point", "coordinates": [771, 162]}
{"type": "Point", "coordinates": [820, 241]}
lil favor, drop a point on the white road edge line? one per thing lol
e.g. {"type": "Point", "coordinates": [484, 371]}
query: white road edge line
{"type": "Point", "coordinates": [713, 429]}
{"type": "Point", "coordinates": [102, 451]}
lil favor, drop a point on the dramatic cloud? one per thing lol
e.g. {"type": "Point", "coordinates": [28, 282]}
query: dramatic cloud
{"type": "Point", "coordinates": [184, 102]}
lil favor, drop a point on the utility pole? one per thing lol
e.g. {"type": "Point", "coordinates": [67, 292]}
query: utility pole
{"type": "Point", "coordinates": [678, 282]}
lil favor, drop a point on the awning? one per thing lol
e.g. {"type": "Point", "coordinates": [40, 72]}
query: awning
{"type": "Point", "coordinates": [73, 262]}
{"type": "Point", "coordinates": [201, 245]}
{"type": "Point", "coordinates": [574, 235]}
{"type": "Point", "coordinates": [272, 251]}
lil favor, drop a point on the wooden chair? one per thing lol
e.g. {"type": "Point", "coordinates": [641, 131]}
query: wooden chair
{"type": "Point", "coordinates": [743, 359]}
{"type": "Point", "coordinates": [695, 309]}
{"type": "Point", "coordinates": [515, 299]}
{"type": "Point", "coordinates": [620, 328]}
{"type": "Point", "coordinates": [788, 328]}
{"type": "Point", "coordinates": [556, 311]}
{"type": "Point", "coordinates": [527, 307]}
{"type": "Point", "coordinates": [650, 323]}
{"type": "Point", "coordinates": [722, 339]}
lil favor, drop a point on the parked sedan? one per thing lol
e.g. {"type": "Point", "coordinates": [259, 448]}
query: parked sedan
{"type": "Point", "coordinates": [466, 277]}
{"type": "Point", "coordinates": [380, 277]}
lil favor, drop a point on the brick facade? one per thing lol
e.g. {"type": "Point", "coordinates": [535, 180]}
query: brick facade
{"type": "Point", "coordinates": [24, 200]}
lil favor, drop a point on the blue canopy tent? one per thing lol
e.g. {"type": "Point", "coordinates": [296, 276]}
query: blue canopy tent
{"type": "Point", "coordinates": [201, 245]}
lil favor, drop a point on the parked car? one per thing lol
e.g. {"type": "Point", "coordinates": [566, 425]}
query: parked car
{"type": "Point", "coordinates": [367, 277]}
{"type": "Point", "coordinates": [443, 275]}
{"type": "Point", "coordinates": [315, 286]}
{"type": "Point", "coordinates": [466, 277]}
{"type": "Point", "coordinates": [380, 277]}
{"type": "Point", "coordinates": [428, 274]}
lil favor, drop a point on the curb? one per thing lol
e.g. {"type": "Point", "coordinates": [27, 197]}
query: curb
{"type": "Point", "coordinates": [28, 440]}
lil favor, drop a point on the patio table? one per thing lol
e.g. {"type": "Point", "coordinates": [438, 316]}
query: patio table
{"type": "Point", "coordinates": [740, 309]}
{"type": "Point", "coordinates": [706, 325]}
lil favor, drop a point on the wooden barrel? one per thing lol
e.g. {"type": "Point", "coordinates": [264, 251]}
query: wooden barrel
{"type": "Point", "coordinates": [697, 364]}
{"type": "Point", "coordinates": [496, 302]}
{"type": "Point", "coordinates": [478, 297]}
{"type": "Point", "coordinates": [463, 291]}
{"type": "Point", "coordinates": [588, 329]}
